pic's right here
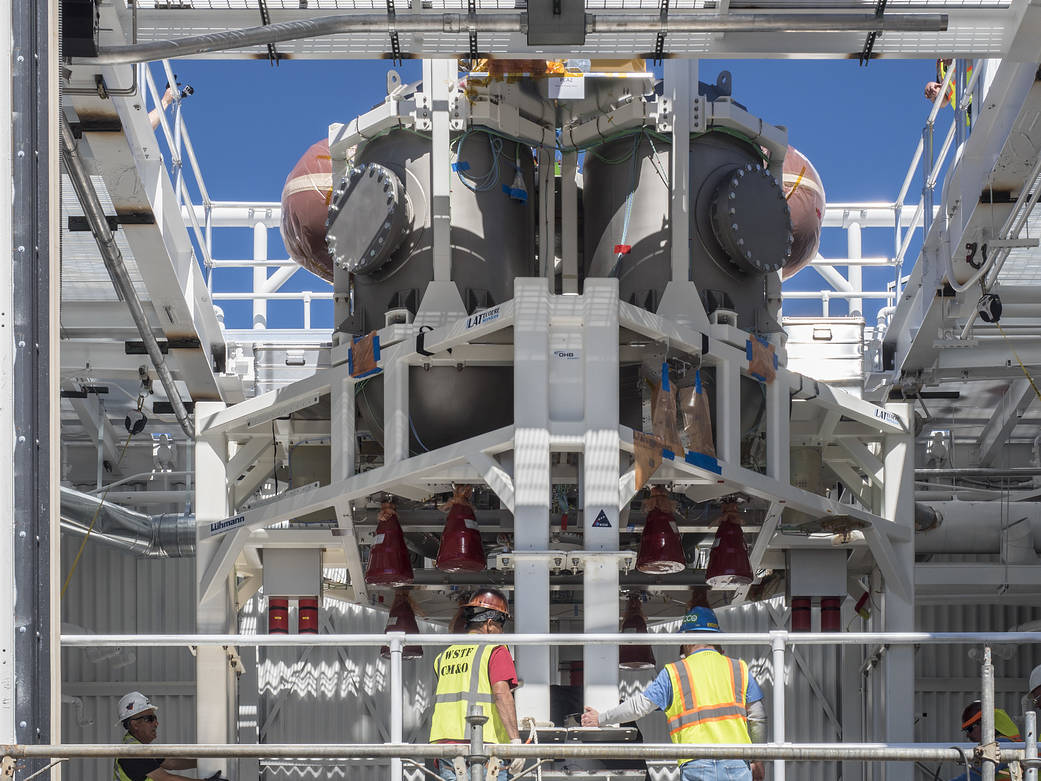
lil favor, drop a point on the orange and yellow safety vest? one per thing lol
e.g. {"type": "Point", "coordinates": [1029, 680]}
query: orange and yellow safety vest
{"type": "Point", "coordinates": [708, 700]}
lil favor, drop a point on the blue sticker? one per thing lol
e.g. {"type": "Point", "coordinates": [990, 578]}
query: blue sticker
{"type": "Point", "coordinates": [703, 461]}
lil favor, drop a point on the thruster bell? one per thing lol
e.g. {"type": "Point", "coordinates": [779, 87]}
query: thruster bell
{"type": "Point", "coordinates": [630, 656]}
{"type": "Point", "coordinates": [389, 563]}
{"type": "Point", "coordinates": [728, 563]}
{"type": "Point", "coordinates": [461, 549]}
{"type": "Point", "coordinates": [403, 619]}
{"type": "Point", "coordinates": [661, 551]}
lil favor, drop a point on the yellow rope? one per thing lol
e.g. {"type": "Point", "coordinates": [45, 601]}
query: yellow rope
{"type": "Point", "coordinates": [94, 519]}
{"type": "Point", "coordinates": [1019, 360]}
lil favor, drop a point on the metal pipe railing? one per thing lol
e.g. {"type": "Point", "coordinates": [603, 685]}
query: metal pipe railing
{"type": "Point", "coordinates": [723, 638]}
{"type": "Point", "coordinates": [803, 752]}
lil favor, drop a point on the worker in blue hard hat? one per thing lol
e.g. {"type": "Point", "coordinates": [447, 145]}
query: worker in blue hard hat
{"type": "Point", "coordinates": [707, 698]}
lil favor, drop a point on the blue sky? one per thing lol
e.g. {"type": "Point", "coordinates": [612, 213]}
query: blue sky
{"type": "Point", "coordinates": [250, 122]}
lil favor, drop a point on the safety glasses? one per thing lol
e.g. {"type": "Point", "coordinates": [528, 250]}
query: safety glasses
{"type": "Point", "coordinates": [151, 718]}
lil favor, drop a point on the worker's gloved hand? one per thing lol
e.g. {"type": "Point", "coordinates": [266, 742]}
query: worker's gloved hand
{"type": "Point", "coordinates": [517, 765]}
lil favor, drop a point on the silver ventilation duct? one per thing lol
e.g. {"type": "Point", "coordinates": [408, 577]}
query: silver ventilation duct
{"type": "Point", "coordinates": [149, 536]}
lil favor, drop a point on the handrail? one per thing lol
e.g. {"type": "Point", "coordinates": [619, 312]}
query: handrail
{"type": "Point", "coordinates": [603, 638]}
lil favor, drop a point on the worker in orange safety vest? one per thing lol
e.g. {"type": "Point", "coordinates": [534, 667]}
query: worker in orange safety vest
{"type": "Point", "coordinates": [707, 698]}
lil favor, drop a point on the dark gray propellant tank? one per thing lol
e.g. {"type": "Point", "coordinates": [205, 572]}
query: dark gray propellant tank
{"type": "Point", "coordinates": [379, 230]}
{"type": "Point", "coordinates": [740, 228]}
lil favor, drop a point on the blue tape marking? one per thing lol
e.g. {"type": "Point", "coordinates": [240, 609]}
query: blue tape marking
{"type": "Point", "coordinates": [665, 376]}
{"type": "Point", "coordinates": [703, 461]}
{"type": "Point", "coordinates": [697, 381]}
{"type": "Point", "coordinates": [748, 349]}
{"type": "Point", "coordinates": [666, 453]}
{"type": "Point", "coordinates": [376, 347]}
{"type": "Point", "coordinates": [462, 165]}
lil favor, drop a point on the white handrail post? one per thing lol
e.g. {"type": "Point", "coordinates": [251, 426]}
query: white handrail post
{"type": "Point", "coordinates": [777, 645]}
{"type": "Point", "coordinates": [397, 643]}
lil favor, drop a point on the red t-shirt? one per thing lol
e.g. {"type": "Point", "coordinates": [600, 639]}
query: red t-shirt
{"type": "Point", "coordinates": [500, 668]}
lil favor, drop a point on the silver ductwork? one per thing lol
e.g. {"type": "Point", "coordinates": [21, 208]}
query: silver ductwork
{"type": "Point", "coordinates": [167, 536]}
{"type": "Point", "coordinates": [1012, 529]}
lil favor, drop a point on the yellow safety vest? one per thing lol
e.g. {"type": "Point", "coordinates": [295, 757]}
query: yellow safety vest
{"type": "Point", "coordinates": [941, 74]}
{"type": "Point", "coordinates": [117, 771]}
{"type": "Point", "coordinates": [708, 700]}
{"type": "Point", "coordinates": [462, 680]}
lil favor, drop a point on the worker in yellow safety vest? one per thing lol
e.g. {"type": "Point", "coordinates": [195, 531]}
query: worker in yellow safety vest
{"type": "Point", "coordinates": [707, 698]}
{"type": "Point", "coordinates": [932, 88]}
{"type": "Point", "coordinates": [140, 719]}
{"type": "Point", "coordinates": [1005, 731]}
{"type": "Point", "coordinates": [481, 675]}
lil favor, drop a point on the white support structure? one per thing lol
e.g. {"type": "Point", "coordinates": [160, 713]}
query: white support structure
{"type": "Point", "coordinates": [569, 222]}
{"type": "Point", "coordinates": [259, 274]}
{"type": "Point", "coordinates": [440, 77]}
{"type": "Point", "coordinates": [532, 488]}
{"type": "Point", "coordinates": [602, 496]}
{"type": "Point", "coordinates": [215, 682]}
{"type": "Point", "coordinates": [898, 608]}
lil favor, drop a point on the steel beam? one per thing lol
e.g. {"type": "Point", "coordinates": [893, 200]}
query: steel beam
{"type": "Point", "coordinates": [1013, 405]}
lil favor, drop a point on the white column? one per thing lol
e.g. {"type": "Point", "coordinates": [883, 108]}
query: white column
{"type": "Point", "coordinates": [7, 507]}
{"type": "Point", "coordinates": [547, 216]}
{"type": "Point", "coordinates": [531, 485]}
{"type": "Point", "coordinates": [569, 222]}
{"type": "Point", "coordinates": [681, 86]}
{"type": "Point", "coordinates": [854, 273]}
{"type": "Point", "coordinates": [259, 275]}
{"type": "Point", "coordinates": [728, 411]}
{"type": "Point", "coordinates": [600, 471]}
{"type": "Point", "coordinates": [395, 407]}
{"type": "Point", "coordinates": [439, 77]}
{"type": "Point", "coordinates": [214, 692]}
{"type": "Point", "coordinates": [898, 613]}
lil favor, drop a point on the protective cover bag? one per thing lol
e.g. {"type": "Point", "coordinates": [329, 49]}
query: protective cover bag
{"type": "Point", "coordinates": [305, 209]}
{"type": "Point", "coordinates": [697, 419]}
{"type": "Point", "coordinates": [663, 413]}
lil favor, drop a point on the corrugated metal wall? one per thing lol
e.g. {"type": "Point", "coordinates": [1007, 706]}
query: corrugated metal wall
{"type": "Point", "coordinates": [112, 592]}
{"type": "Point", "coordinates": [322, 695]}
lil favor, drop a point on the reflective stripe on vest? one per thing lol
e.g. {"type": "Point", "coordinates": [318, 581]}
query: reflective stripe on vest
{"type": "Point", "coordinates": [117, 770]}
{"type": "Point", "coordinates": [708, 700]}
{"type": "Point", "coordinates": [458, 689]}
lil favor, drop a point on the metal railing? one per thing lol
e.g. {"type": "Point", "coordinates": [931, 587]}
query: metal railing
{"type": "Point", "coordinates": [779, 750]}
{"type": "Point", "coordinates": [853, 216]}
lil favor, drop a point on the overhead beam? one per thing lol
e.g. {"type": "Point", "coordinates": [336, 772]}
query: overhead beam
{"type": "Point", "coordinates": [1013, 405]}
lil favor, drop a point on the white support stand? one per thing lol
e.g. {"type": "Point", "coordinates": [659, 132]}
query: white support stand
{"type": "Point", "coordinates": [600, 470]}
{"type": "Point", "coordinates": [898, 664]}
{"type": "Point", "coordinates": [680, 301]}
{"type": "Point", "coordinates": [547, 216]}
{"type": "Point", "coordinates": [855, 272]}
{"type": "Point", "coordinates": [532, 489]}
{"type": "Point", "coordinates": [215, 683]}
{"type": "Point", "coordinates": [259, 273]}
{"type": "Point", "coordinates": [439, 77]}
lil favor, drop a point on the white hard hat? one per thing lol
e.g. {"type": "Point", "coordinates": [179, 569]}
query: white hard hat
{"type": "Point", "coordinates": [1035, 679]}
{"type": "Point", "coordinates": [131, 705]}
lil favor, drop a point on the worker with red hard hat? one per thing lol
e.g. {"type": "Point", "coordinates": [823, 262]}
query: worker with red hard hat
{"type": "Point", "coordinates": [140, 719]}
{"type": "Point", "coordinates": [707, 698]}
{"type": "Point", "coordinates": [477, 674]}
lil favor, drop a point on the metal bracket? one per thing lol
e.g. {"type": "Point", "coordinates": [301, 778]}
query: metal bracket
{"type": "Point", "coordinates": [494, 766]}
{"type": "Point", "coordinates": [395, 44]}
{"type": "Point", "coordinates": [869, 42]}
{"type": "Point", "coordinates": [987, 752]}
{"type": "Point", "coordinates": [7, 767]}
{"type": "Point", "coordinates": [471, 19]}
{"type": "Point", "coordinates": [659, 41]}
{"type": "Point", "coordinates": [234, 660]}
{"type": "Point", "coordinates": [459, 765]}
{"type": "Point", "coordinates": [663, 116]}
{"type": "Point", "coordinates": [572, 560]}
{"type": "Point", "coordinates": [699, 114]}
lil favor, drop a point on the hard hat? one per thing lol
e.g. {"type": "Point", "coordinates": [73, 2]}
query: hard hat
{"type": "Point", "coordinates": [1035, 679]}
{"type": "Point", "coordinates": [971, 714]}
{"type": "Point", "coordinates": [489, 599]}
{"type": "Point", "coordinates": [131, 705]}
{"type": "Point", "coordinates": [700, 619]}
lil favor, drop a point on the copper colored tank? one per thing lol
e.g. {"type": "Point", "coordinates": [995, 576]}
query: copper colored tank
{"type": "Point", "coordinates": [805, 195]}
{"type": "Point", "coordinates": [305, 209]}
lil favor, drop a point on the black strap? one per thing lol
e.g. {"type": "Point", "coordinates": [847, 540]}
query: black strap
{"type": "Point", "coordinates": [421, 337]}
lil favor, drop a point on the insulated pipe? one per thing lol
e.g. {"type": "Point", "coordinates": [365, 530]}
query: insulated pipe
{"type": "Point", "coordinates": [113, 258]}
{"type": "Point", "coordinates": [512, 23]}
{"type": "Point", "coordinates": [149, 536]}
{"type": "Point", "coordinates": [977, 527]}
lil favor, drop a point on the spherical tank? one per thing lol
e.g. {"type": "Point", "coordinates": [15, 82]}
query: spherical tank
{"type": "Point", "coordinates": [804, 192]}
{"type": "Point", "coordinates": [305, 207]}
{"type": "Point", "coordinates": [386, 203]}
{"type": "Point", "coordinates": [740, 228]}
